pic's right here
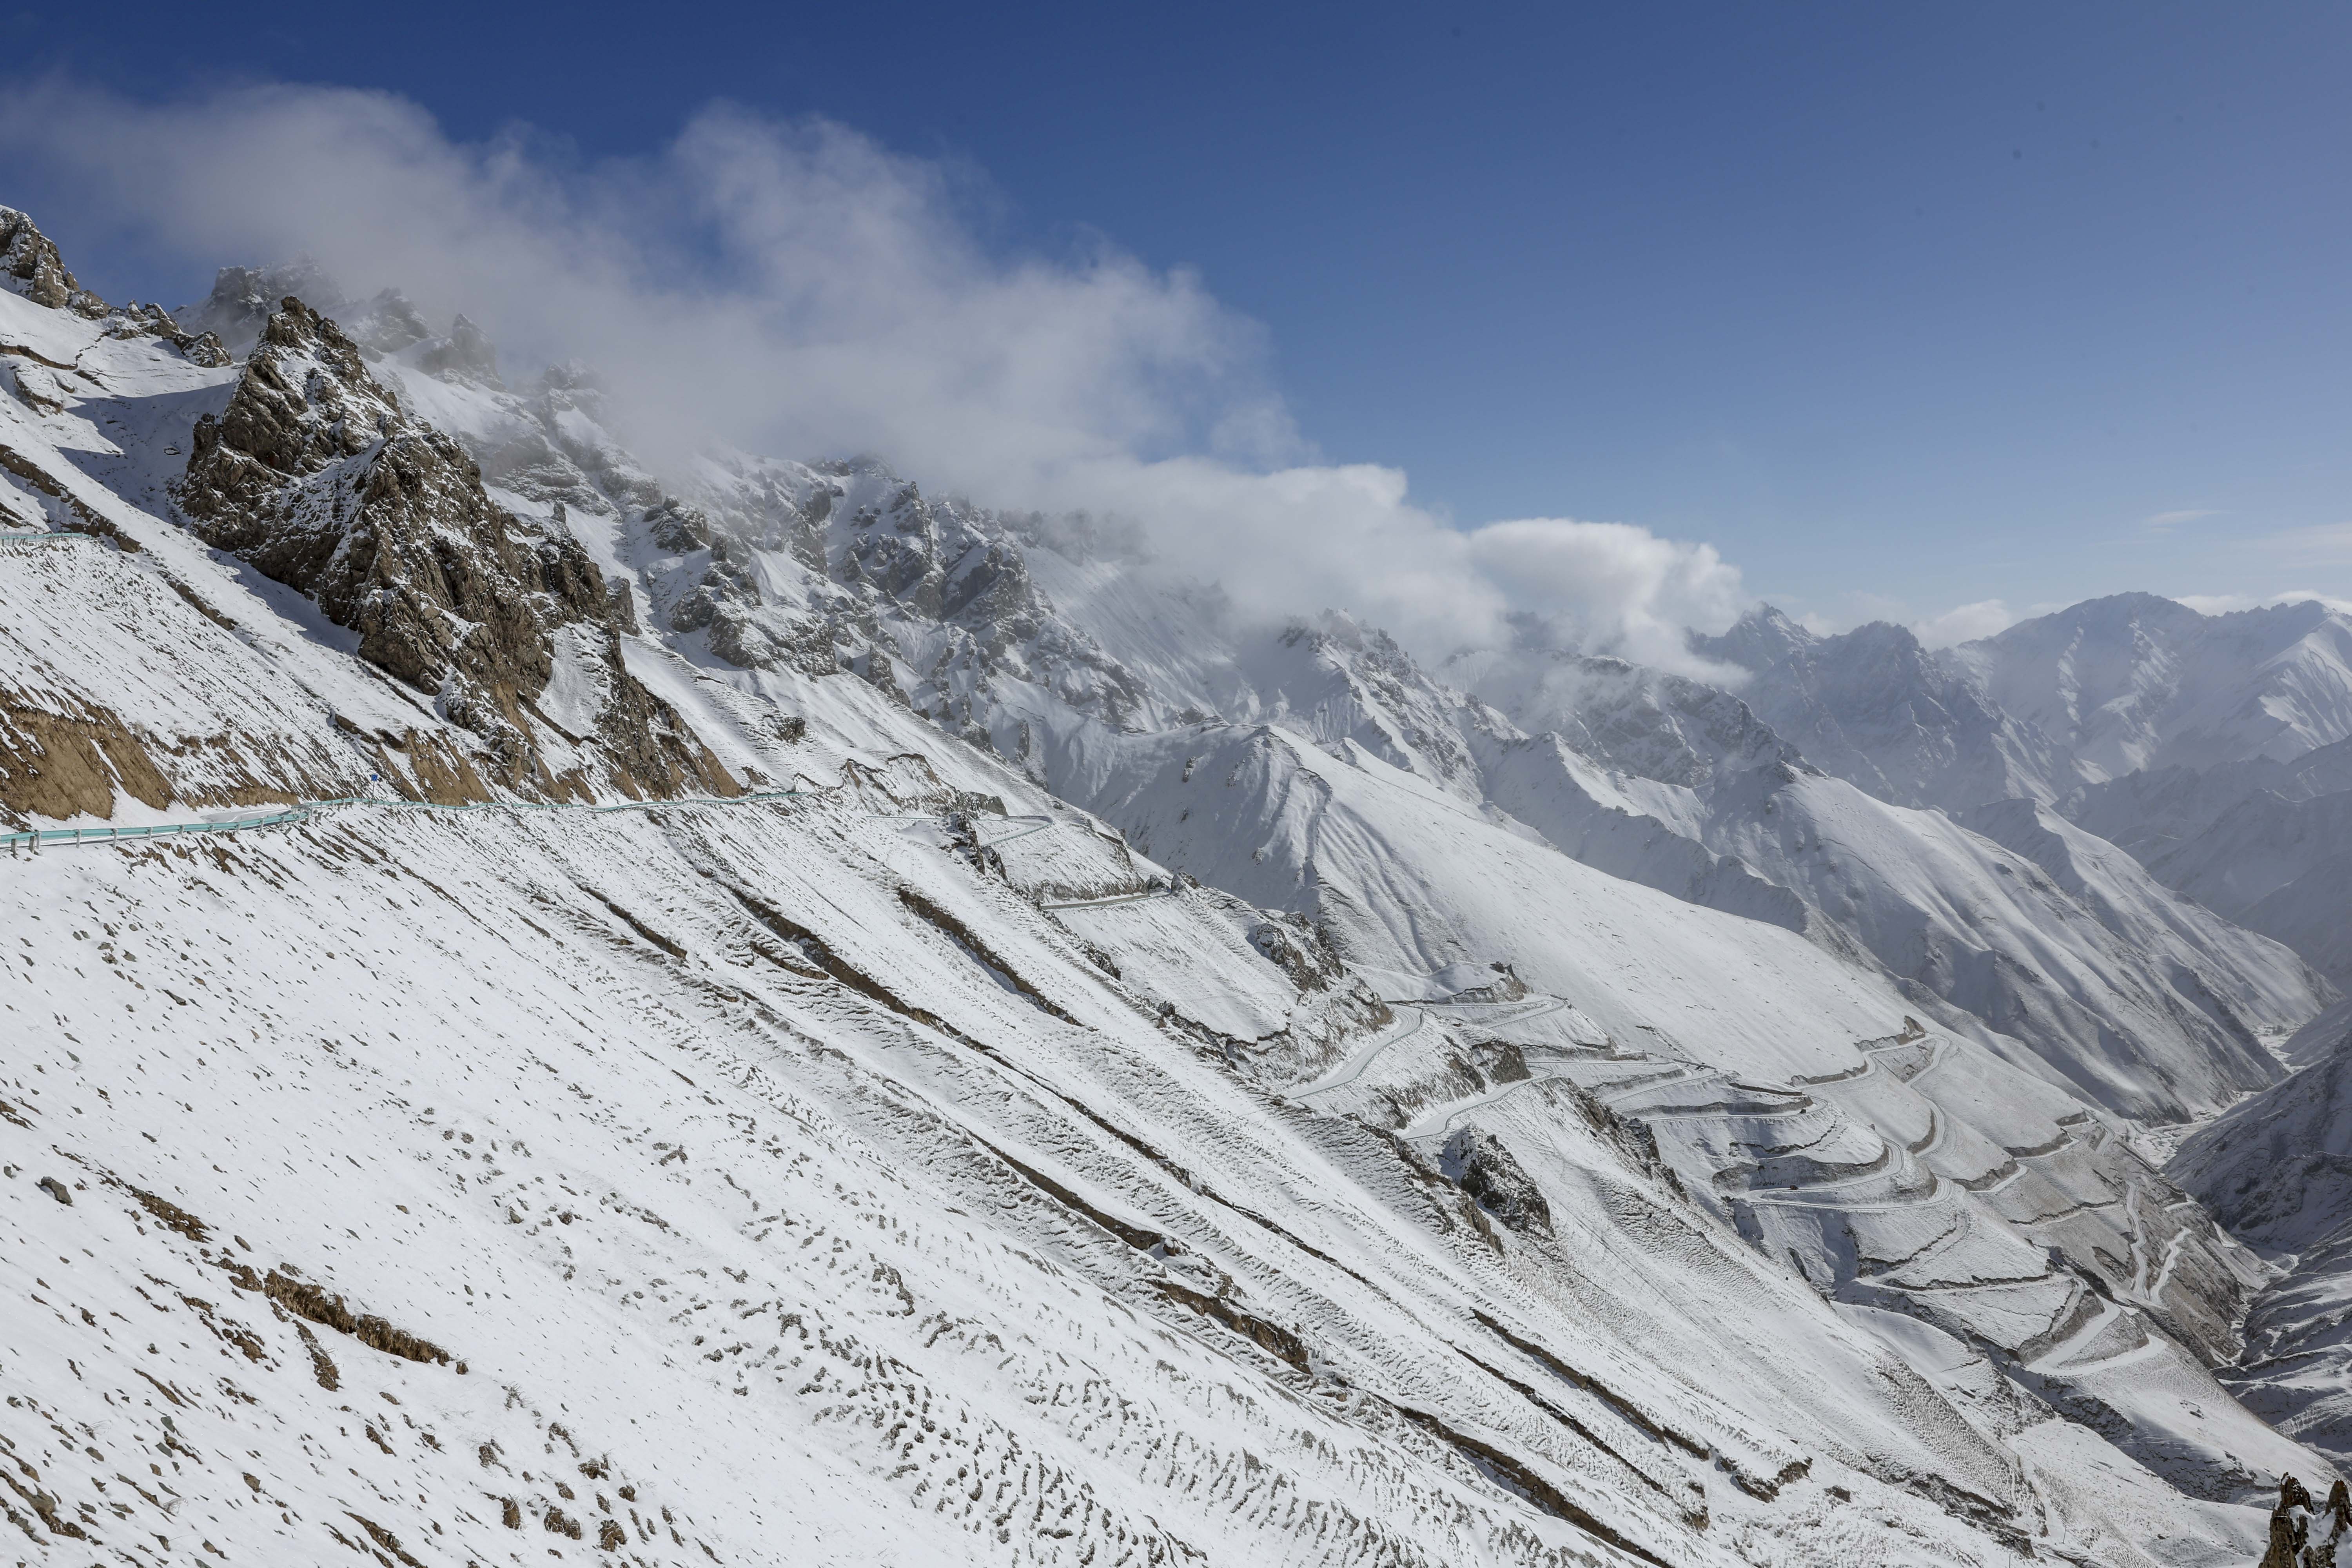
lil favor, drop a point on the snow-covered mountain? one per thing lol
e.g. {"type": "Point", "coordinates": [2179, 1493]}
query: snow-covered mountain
{"type": "Point", "coordinates": [1162, 1090]}
{"type": "Point", "coordinates": [2213, 748]}
{"type": "Point", "coordinates": [2106, 688]}
{"type": "Point", "coordinates": [1075, 658]}
{"type": "Point", "coordinates": [2278, 1171]}
{"type": "Point", "coordinates": [2135, 682]}
{"type": "Point", "coordinates": [1873, 707]}
{"type": "Point", "coordinates": [2262, 842]}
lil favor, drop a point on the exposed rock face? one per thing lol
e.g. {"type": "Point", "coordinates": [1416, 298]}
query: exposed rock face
{"type": "Point", "coordinates": [316, 475]}
{"type": "Point", "coordinates": [2302, 1535]}
{"type": "Point", "coordinates": [1483, 1167]}
{"type": "Point", "coordinates": [30, 265]}
{"type": "Point", "coordinates": [244, 298]}
{"type": "Point", "coordinates": [466, 352]}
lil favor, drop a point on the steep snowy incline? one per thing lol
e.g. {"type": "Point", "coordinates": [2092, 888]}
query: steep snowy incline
{"type": "Point", "coordinates": [916, 1170]}
{"type": "Point", "coordinates": [843, 1166]}
{"type": "Point", "coordinates": [2143, 1001]}
{"type": "Point", "coordinates": [1876, 709]}
{"type": "Point", "coordinates": [2277, 1170]}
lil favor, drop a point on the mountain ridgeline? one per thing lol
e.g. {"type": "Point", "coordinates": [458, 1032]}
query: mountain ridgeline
{"type": "Point", "coordinates": [812, 1020]}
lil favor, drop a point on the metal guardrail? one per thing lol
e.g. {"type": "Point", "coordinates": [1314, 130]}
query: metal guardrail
{"type": "Point", "coordinates": [38, 838]}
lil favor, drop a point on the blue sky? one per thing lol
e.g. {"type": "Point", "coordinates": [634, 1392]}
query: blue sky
{"type": "Point", "coordinates": [1900, 308]}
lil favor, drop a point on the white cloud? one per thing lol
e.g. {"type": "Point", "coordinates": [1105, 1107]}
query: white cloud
{"type": "Point", "coordinates": [2165, 521]}
{"type": "Point", "coordinates": [1638, 591]}
{"type": "Point", "coordinates": [796, 288]}
{"type": "Point", "coordinates": [1965, 623]}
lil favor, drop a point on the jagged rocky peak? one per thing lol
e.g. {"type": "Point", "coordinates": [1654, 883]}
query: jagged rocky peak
{"type": "Point", "coordinates": [1344, 682]}
{"type": "Point", "coordinates": [1874, 656]}
{"type": "Point", "coordinates": [2302, 1533]}
{"type": "Point", "coordinates": [1762, 637]}
{"type": "Point", "coordinates": [244, 298]}
{"type": "Point", "coordinates": [1875, 707]}
{"type": "Point", "coordinates": [30, 265]}
{"type": "Point", "coordinates": [386, 324]}
{"type": "Point", "coordinates": [316, 475]}
{"type": "Point", "coordinates": [941, 560]}
{"type": "Point", "coordinates": [1636, 720]}
{"type": "Point", "coordinates": [466, 353]}
{"type": "Point", "coordinates": [306, 401]}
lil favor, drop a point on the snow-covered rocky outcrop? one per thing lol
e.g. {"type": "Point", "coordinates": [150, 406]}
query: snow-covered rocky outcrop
{"type": "Point", "coordinates": [315, 477]}
{"type": "Point", "coordinates": [1145, 1097]}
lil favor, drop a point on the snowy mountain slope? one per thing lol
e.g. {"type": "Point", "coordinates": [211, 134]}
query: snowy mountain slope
{"type": "Point", "coordinates": [2134, 681]}
{"type": "Point", "coordinates": [2098, 691]}
{"type": "Point", "coordinates": [1045, 1192]}
{"type": "Point", "coordinates": [1410, 883]}
{"type": "Point", "coordinates": [2262, 842]}
{"type": "Point", "coordinates": [785, 572]}
{"type": "Point", "coordinates": [2277, 1170]}
{"type": "Point", "coordinates": [2144, 1001]}
{"type": "Point", "coordinates": [992, 1281]}
{"type": "Point", "coordinates": [1878, 710]}
{"type": "Point", "coordinates": [605, 998]}
{"type": "Point", "coordinates": [1049, 646]}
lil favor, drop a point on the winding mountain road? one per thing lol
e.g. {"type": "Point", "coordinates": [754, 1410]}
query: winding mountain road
{"type": "Point", "coordinates": [1353, 1068]}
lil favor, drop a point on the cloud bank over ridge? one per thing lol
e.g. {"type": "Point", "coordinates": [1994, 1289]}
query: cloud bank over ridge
{"type": "Point", "coordinates": [798, 289]}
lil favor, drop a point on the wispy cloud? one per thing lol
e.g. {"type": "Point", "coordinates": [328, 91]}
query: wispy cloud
{"type": "Point", "coordinates": [2165, 521]}
{"type": "Point", "coordinates": [794, 288]}
{"type": "Point", "coordinates": [2321, 544]}
{"type": "Point", "coordinates": [1965, 623]}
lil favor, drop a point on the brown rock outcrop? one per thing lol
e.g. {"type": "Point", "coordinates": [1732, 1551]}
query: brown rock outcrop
{"type": "Point", "coordinates": [317, 476]}
{"type": "Point", "coordinates": [30, 265]}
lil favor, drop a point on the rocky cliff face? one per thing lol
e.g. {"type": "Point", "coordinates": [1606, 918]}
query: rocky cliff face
{"type": "Point", "coordinates": [316, 475]}
{"type": "Point", "coordinates": [30, 265]}
{"type": "Point", "coordinates": [2304, 1535]}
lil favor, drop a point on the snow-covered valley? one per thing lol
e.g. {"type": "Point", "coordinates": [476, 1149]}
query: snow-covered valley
{"type": "Point", "coordinates": [828, 1024]}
